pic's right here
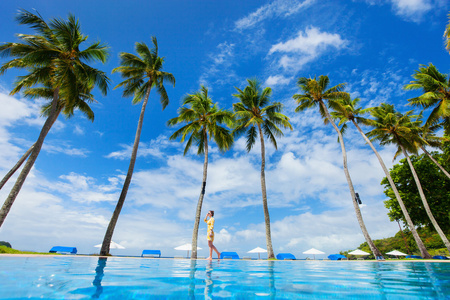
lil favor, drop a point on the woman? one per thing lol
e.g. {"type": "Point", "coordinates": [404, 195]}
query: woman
{"type": "Point", "coordinates": [210, 234]}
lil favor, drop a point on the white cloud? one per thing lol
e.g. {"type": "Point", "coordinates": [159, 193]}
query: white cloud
{"type": "Point", "coordinates": [411, 10]}
{"type": "Point", "coordinates": [275, 9]}
{"type": "Point", "coordinates": [153, 148]}
{"type": "Point", "coordinates": [277, 80]}
{"type": "Point", "coordinates": [306, 47]}
{"type": "Point", "coordinates": [54, 146]}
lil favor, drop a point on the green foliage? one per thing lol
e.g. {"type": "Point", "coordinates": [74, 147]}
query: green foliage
{"type": "Point", "coordinates": [3, 243]}
{"type": "Point", "coordinates": [436, 187]}
{"type": "Point", "coordinates": [432, 241]}
{"type": "Point", "coordinates": [9, 250]}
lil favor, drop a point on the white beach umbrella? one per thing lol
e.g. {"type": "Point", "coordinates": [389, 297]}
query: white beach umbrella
{"type": "Point", "coordinates": [396, 253]}
{"type": "Point", "coordinates": [112, 245]}
{"type": "Point", "coordinates": [313, 251]}
{"type": "Point", "coordinates": [258, 250]}
{"type": "Point", "coordinates": [186, 247]}
{"type": "Point", "coordinates": [358, 252]}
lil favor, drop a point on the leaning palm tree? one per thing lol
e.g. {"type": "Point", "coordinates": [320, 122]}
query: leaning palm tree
{"type": "Point", "coordinates": [203, 119]}
{"type": "Point", "coordinates": [314, 93]}
{"type": "Point", "coordinates": [402, 130]}
{"type": "Point", "coordinates": [142, 73]}
{"type": "Point", "coordinates": [436, 94]}
{"type": "Point", "coordinates": [255, 114]}
{"type": "Point", "coordinates": [349, 110]}
{"type": "Point", "coordinates": [57, 70]}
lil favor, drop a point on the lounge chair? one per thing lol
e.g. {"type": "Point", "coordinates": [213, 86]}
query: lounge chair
{"type": "Point", "coordinates": [285, 256]}
{"type": "Point", "coordinates": [440, 257]}
{"type": "Point", "coordinates": [336, 257]}
{"type": "Point", "coordinates": [229, 255]}
{"type": "Point", "coordinates": [63, 250]}
{"type": "Point", "coordinates": [414, 256]}
{"type": "Point", "coordinates": [153, 253]}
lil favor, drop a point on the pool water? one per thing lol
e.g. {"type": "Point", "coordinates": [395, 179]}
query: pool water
{"type": "Point", "coordinates": [66, 277]}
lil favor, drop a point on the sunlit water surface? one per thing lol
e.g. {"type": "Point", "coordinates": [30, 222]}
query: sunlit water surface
{"type": "Point", "coordinates": [66, 277]}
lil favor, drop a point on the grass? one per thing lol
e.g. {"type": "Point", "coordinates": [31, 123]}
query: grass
{"type": "Point", "coordinates": [4, 249]}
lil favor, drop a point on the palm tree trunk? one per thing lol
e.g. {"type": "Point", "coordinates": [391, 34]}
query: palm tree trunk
{"type": "Point", "coordinates": [369, 241]}
{"type": "Point", "coordinates": [264, 197]}
{"type": "Point", "coordinates": [420, 245]}
{"type": "Point", "coordinates": [424, 201]}
{"type": "Point", "coordinates": [16, 167]}
{"type": "Point", "coordinates": [435, 162]}
{"type": "Point", "coordinates": [200, 200]}
{"type": "Point", "coordinates": [112, 223]}
{"type": "Point", "coordinates": [54, 113]}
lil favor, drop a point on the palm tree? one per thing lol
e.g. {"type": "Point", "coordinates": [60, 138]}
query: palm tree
{"type": "Point", "coordinates": [202, 118]}
{"type": "Point", "coordinates": [436, 94]}
{"type": "Point", "coordinates": [255, 114]}
{"type": "Point", "coordinates": [402, 130]}
{"type": "Point", "coordinates": [16, 167]}
{"type": "Point", "coordinates": [58, 71]}
{"type": "Point", "coordinates": [142, 73]}
{"type": "Point", "coordinates": [447, 35]}
{"type": "Point", "coordinates": [348, 110]}
{"type": "Point", "coordinates": [314, 93]}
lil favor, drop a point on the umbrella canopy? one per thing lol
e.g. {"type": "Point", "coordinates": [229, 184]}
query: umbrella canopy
{"type": "Point", "coordinates": [358, 252]}
{"type": "Point", "coordinates": [186, 247]}
{"type": "Point", "coordinates": [396, 253]}
{"type": "Point", "coordinates": [313, 251]}
{"type": "Point", "coordinates": [258, 250]}
{"type": "Point", "coordinates": [112, 245]}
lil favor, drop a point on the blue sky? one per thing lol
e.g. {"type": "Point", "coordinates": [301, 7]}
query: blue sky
{"type": "Point", "coordinates": [68, 199]}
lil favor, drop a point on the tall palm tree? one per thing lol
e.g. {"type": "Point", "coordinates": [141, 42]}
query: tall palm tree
{"type": "Point", "coordinates": [314, 93]}
{"type": "Point", "coordinates": [57, 70]}
{"type": "Point", "coordinates": [402, 130]}
{"type": "Point", "coordinates": [255, 114]}
{"type": "Point", "coordinates": [349, 110]}
{"type": "Point", "coordinates": [202, 118]}
{"type": "Point", "coordinates": [142, 73]}
{"type": "Point", "coordinates": [436, 94]}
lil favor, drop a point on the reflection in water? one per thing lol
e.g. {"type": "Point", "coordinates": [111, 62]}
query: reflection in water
{"type": "Point", "coordinates": [98, 277]}
{"type": "Point", "coordinates": [273, 290]}
{"type": "Point", "coordinates": [209, 284]}
{"type": "Point", "coordinates": [191, 291]}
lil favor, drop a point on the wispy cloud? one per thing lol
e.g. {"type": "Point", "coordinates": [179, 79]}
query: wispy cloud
{"type": "Point", "coordinates": [275, 9]}
{"type": "Point", "coordinates": [78, 130]}
{"type": "Point", "coordinates": [305, 47]}
{"type": "Point", "coordinates": [218, 68]}
{"type": "Point", "coordinates": [56, 146]}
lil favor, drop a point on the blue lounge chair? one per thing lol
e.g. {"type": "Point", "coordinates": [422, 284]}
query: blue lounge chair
{"type": "Point", "coordinates": [440, 257]}
{"type": "Point", "coordinates": [414, 256]}
{"type": "Point", "coordinates": [153, 253]}
{"type": "Point", "coordinates": [285, 256]}
{"type": "Point", "coordinates": [232, 255]}
{"type": "Point", "coordinates": [63, 250]}
{"type": "Point", "coordinates": [336, 256]}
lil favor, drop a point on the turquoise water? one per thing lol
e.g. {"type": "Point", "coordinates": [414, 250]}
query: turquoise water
{"type": "Point", "coordinates": [66, 277]}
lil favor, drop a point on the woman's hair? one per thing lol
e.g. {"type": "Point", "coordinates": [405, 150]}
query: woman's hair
{"type": "Point", "coordinates": [212, 213]}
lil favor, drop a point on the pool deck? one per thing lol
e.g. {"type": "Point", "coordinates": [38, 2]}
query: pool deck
{"type": "Point", "coordinates": [177, 258]}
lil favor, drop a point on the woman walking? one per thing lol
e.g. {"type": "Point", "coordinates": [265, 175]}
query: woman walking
{"type": "Point", "coordinates": [210, 234]}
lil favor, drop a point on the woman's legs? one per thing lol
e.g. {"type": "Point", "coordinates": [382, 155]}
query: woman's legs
{"type": "Point", "coordinates": [211, 248]}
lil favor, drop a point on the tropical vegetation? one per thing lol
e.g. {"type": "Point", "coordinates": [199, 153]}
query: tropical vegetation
{"type": "Point", "coordinates": [57, 67]}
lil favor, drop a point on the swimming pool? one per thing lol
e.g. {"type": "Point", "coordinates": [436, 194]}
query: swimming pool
{"type": "Point", "coordinates": [66, 277]}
